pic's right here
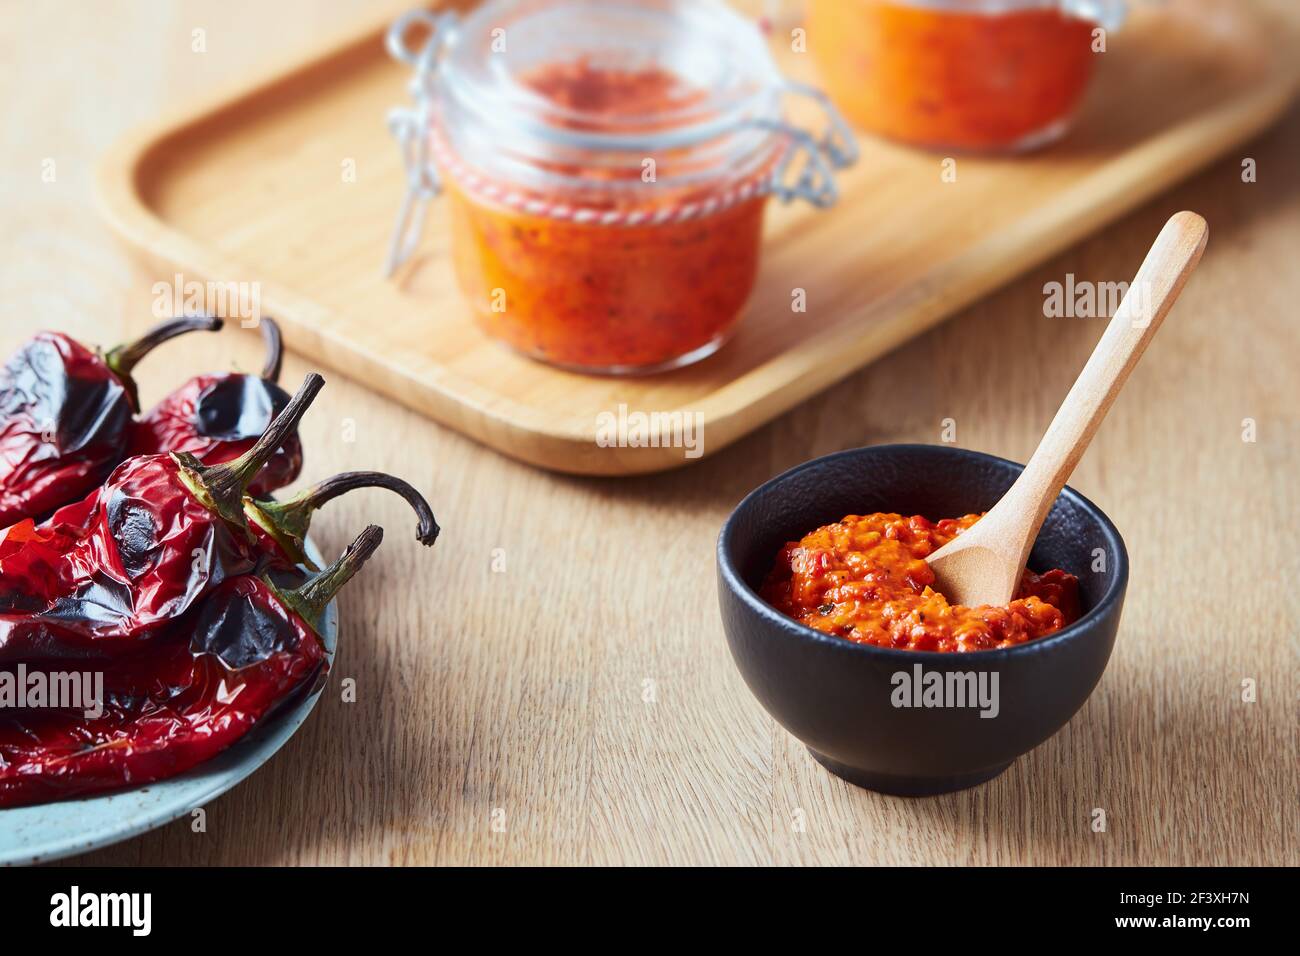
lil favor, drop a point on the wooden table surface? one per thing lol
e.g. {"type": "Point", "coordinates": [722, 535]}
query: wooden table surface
{"type": "Point", "coordinates": [578, 704]}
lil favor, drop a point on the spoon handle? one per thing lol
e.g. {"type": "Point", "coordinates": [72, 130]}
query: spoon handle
{"type": "Point", "coordinates": [1148, 300]}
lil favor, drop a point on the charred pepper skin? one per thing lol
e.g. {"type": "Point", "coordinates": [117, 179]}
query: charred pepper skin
{"type": "Point", "coordinates": [102, 578]}
{"type": "Point", "coordinates": [254, 647]}
{"type": "Point", "coordinates": [218, 417]}
{"type": "Point", "coordinates": [65, 417]}
{"type": "Point", "coordinates": [150, 549]}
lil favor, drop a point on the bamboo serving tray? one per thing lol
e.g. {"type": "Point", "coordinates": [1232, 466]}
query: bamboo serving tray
{"type": "Point", "coordinates": [248, 187]}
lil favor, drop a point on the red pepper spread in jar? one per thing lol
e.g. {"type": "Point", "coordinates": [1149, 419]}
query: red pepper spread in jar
{"type": "Point", "coordinates": [589, 294]}
{"type": "Point", "coordinates": [974, 79]}
{"type": "Point", "coordinates": [865, 579]}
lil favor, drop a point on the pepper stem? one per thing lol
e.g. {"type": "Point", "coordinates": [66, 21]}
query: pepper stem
{"type": "Point", "coordinates": [289, 520]}
{"type": "Point", "coordinates": [310, 600]}
{"type": "Point", "coordinates": [274, 348]}
{"type": "Point", "coordinates": [223, 485]}
{"type": "Point", "coordinates": [123, 359]}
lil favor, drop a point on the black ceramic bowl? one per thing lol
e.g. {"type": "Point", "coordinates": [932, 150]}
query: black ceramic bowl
{"type": "Point", "coordinates": [844, 701]}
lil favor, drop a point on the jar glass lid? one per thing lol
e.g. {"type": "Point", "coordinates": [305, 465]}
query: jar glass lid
{"type": "Point", "coordinates": [690, 69]}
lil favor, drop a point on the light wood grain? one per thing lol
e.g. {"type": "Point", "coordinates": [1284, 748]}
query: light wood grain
{"type": "Point", "coordinates": [523, 690]}
{"type": "Point", "coordinates": [247, 185]}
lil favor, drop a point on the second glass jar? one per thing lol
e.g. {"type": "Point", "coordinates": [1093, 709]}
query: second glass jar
{"type": "Point", "coordinates": [977, 75]}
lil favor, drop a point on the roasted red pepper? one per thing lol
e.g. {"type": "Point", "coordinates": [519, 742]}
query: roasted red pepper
{"type": "Point", "coordinates": [100, 578]}
{"type": "Point", "coordinates": [217, 418]}
{"type": "Point", "coordinates": [65, 416]}
{"type": "Point", "coordinates": [281, 526]}
{"type": "Point", "coordinates": [253, 646]}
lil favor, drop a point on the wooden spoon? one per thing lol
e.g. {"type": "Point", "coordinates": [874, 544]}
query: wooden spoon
{"type": "Point", "coordinates": [984, 564]}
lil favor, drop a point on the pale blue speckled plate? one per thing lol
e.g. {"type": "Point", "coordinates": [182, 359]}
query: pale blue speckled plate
{"type": "Point", "coordinates": [53, 830]}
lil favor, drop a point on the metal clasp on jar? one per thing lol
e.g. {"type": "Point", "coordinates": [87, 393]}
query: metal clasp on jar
{"type": "Point", "coordinates": [813, 180]}
{"type": "Point", "coordinates": [410, 125]}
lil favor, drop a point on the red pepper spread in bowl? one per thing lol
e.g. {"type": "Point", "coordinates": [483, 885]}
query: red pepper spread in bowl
{"type": "Point", "coordinates": [865, 579]}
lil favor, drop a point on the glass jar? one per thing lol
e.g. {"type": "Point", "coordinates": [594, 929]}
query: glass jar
{"type": "Point", "coordinates": [980, 75]}
{"type": "Point", "coordinates": [607, 165]}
